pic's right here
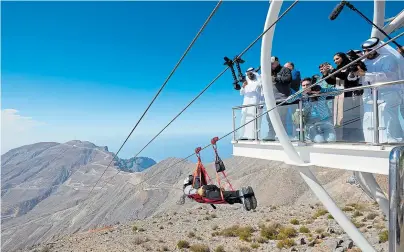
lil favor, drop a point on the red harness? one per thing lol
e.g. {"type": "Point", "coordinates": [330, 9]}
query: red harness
{"type": "Point", "coordinates": [201, 173]}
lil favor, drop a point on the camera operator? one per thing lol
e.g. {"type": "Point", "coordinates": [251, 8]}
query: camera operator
{"type": "Point", "coordinates": [317, 116]}
{"type": "Point", "coordinates": [251, 90]}
{"type": "Point", "coordinates": [384, 64]}
{"type": "Point", "coordinates": [346, 78]}
{"type": "Point", "coordinates": [347, 107]}
{"type": "Point", "coordinates": [281, 78]}
{"type": "Point", "coordinates": [295, 85]}
{"type": "Point", "coordinates": [325, 69]}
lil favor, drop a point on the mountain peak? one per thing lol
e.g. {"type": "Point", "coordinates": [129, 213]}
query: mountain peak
{"type": "Point", "coordinates": [133, 164]}
{"type": "Point", "coordinates": [85, 144]}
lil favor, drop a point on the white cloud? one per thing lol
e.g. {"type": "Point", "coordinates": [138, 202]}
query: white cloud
{"type": "Point", "coordinates": [17, 130]}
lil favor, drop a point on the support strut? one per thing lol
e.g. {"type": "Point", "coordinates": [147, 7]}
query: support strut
{"type": "Point", "coordinates": [294, 157]}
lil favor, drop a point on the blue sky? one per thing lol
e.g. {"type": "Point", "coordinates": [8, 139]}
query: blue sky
{"type": "Point", "coordinates": [87, 70]}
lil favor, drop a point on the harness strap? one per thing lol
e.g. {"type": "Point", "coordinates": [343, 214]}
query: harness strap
{"type": "Point", "coordinates": [220, 187]}
{"type": "Point", "coordinates": [219, 163]}
{"type": "Point", "coordinates": [200, 171]}
{"type": "Point", "coordinates": [224, 174]}
{"type": "Point", "coordinates": [202, 174]}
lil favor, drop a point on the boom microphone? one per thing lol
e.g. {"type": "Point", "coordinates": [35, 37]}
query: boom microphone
{"type": "Point", "coordinates": [337, 10]}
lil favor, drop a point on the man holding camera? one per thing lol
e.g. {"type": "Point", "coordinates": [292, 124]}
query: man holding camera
{"type": "Point", "coordinates": [251, 90]}
{"type": "Point", "coordinates": [281, 79]}
{"type": "Point", "coordinates": [316, 114]}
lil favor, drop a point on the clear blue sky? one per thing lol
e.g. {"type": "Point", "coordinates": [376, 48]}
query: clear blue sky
{"type": "Point", "coordinates": [87, 70]}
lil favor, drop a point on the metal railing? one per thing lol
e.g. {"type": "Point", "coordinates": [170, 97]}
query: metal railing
{"type": "Point", "coordinates": [301, 127]}
{"type": "Point", "coordinates": [396, 196]}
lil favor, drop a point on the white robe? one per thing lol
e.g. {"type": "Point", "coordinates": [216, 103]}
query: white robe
{"type": "Point", "coordinates": [386, 67]}
{"type": "Point", "coordinates": [252, 95]}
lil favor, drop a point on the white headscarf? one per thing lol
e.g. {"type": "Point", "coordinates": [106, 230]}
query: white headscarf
{"type": "Point", "coordinates": [387, 66]}
{"type": "Point", "coordinates": [253, 85]}
{"type": "Point", "coordinates": [253, 90]}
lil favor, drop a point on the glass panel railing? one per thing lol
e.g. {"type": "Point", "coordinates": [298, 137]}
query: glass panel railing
{"type": "Point", "coordinates": [243, 115]}
{"type": "Point", "coordinates": [334, 118]}
{"type": "Point", "coordinates": [236, 123]}
{"type": "Point", "coordinates": [350, 116]}
{"type": "Point", "coordinates": [286, 113]}
{"type": "Point", "coordinates": [386, 114]}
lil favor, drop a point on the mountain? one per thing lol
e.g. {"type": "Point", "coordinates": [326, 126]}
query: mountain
{"type": "Point", "coordinates": [52, 183]}
{"type": "Point", "coordinates": [32, 173]}
{"type": "Point", "coordinates": [137, 164]}
{"type": "Point", "coordinates": [46, 190]}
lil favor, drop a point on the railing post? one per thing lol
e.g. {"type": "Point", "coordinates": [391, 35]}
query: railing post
{"type": "Point", "coordinates": [234, 125]}
{"type": "Point", "coordinates": [256, 123]}
{"type": "Point", "coordinates": [396, 191]}
{"type": "Point", "coordinates": [375, 117]}
{"type": "Point", "coordinates": [301, 126]}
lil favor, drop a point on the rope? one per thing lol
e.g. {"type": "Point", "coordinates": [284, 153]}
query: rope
{"type": "Point", "coordinates": [162, 86]}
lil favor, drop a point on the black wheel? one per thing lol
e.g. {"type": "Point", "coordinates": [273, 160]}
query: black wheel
{"type": "Point", "coordinates": [254, 202]}
{"type": "Point", "coordinates": [248, 204]}
{"type": "Point", "coordinates": [250, 190]}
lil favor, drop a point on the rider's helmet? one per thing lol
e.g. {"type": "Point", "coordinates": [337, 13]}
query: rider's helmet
{"type": "Point", "coordinates": [188, 180]}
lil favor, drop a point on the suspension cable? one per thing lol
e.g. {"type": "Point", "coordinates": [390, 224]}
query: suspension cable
{"type": "Point", "coordinates": [162, 86]}
{"type": "Point", "coordinates": [290, 97]}
{"type": "Point", "coordinates": [213, 81]}
{"type": "Point", "coordinates": [217, 77]}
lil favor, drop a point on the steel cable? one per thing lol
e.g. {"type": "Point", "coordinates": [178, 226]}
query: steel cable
{"type": "Point", "coordinates": [290, 97]}
{"type": "Point", "coordinates": [213, 81]}
{"type": "Point", "coordinates": [161, 88]}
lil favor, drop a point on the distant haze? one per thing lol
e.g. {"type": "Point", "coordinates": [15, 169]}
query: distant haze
{"type": "Point", "coordinates": [170, 146]}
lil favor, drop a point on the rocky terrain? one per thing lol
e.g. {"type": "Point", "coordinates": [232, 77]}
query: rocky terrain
{"type": "Point", "coordinates": [138, 212]}
{"type": "Point", "coordinates": [46, 186]}
{"type": "Point", "coordinates": [200, 228]}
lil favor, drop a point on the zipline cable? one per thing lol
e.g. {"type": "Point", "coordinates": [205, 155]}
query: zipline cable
{"type": "Point", "coordinates": [162, 86]}
{"type": "Point", "coordinates": [217, 77]}
{"type": "Point", "coordinates": [290, 97]}
{"type": "Point", "coordinates": [297, 93]}
{"type": "Point", "coordinates": [213, 81]}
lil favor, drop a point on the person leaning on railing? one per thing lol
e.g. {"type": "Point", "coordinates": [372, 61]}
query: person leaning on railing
{"type": "Point", "coordinates": [347, 107]}
{"type": "Point", "coordinates": [384, 64]}
{"type": "Point", "coordinates": [316, 114]}
{"type": "Point", "coordinates": [281, 79]}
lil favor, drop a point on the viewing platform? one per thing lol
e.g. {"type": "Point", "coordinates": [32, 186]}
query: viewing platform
{"type": "Point", "coordinates": [349, 151]}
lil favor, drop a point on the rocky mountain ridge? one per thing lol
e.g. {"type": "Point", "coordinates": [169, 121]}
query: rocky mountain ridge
{"type": "Point", "coordinates": [129, 197]}
{"type": "Point", "coordinates": [45, 179]}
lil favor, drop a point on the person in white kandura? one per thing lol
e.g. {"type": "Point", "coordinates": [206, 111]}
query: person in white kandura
{"type": "Point", "coordinates": [383, 65]}
{"type": "Point", "coordinates": [252, 92]}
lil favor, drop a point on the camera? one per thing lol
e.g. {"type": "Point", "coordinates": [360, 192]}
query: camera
{"type": "Point", "coordinates": [353, 68]}
{"type": "Point", "coordinates": [315, 88]}
{"type": "Point", "coordinates": [315, 78]}
{"type": "Point", "coordinates": [230, 63]}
